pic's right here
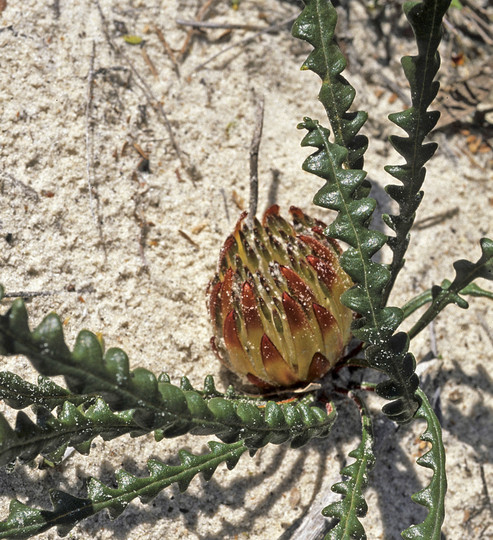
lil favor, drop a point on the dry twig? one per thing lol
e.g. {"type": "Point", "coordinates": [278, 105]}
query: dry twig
{"type": "Point", "coordinates": [271, 29]}
{"type": "Point", "coordinates": [151, 99]}
{"type": "Point", "coordinates": [188, 238]}
{"type": "Point", "coordinates": [254, 150]}
{"type": "Point", "coordinates": [218, 26]}
{"type": "Point", "coordinates": [144, 229]}
{"type": "Point", "coordinates": [150, 63]}
{"type": "Point", "coordinates": [201, 13]}
{"type": "Point", "coordinates": [31, 294]}
{"type": "Point", "coordinates": [168, 49]}
{"type": "Point", "coordinates": [91, 179]}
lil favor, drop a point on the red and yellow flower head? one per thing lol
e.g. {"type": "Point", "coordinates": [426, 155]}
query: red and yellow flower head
{"type": "Point", "coordinates": [275, 300]}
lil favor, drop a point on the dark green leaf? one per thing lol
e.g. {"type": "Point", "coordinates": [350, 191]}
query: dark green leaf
{"type": "Point", "coordinates": [157, 405]}
{"type": "Point", "coordinates": [353, 505]}
{"type": "Point", "coordinates": [433, 495]}
{"type": "Point", "coordinates": [449, 293]}
{"type": "Point", "coordinates": [23, 522]}
{"type": "Point", "coordinates": [426, 21]}
{"type": "Point", "coordinates": [317, 24]}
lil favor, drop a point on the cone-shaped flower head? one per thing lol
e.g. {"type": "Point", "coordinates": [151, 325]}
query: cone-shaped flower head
{"type": "Point", "coordinates": [275, 301]}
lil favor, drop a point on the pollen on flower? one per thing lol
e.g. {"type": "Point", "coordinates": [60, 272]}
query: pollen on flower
{"type": "Point", "coordinates": [275, 301]}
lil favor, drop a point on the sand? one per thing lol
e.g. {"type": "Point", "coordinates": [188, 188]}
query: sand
{"type": "Point", "coordinates": [127, 250]}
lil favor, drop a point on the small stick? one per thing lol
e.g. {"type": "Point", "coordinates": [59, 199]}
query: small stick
{"type": "Point", "coordinates": [151, 99]}
{"type": "Point", "coordinates": [150, 63]}
{"type": "Point", "coordinates": [254, 150]}
{"type": "Point", "coordinates": [218, 26]}
{"type": "Point", "coordinates": [168, 49]}
{"type": "Point", "coordinates": [29, 192]}
{"type": "Point", "coordinates": [93, 198]}
{"type": "Point", "coordinates": [486, 495]}
{"type": "Point", "coordinates": [188, 39]}
{"type": "Point", "coordinates": [187, 237]}
{"type": "Point", "coordinates": [89, 145]}
{"type": "Point", "coordinates": [273, 28]}
{"type": "Point", "coordinates": [223, 193]}
{"type": "Point", "coordinates": [140, 151]}
{"type": "Point", "coordinates": [144, 229]}
{"type": "Point", "coordinates": [482, 26]}
{"type": "Point", "coordinates": [30, 294]}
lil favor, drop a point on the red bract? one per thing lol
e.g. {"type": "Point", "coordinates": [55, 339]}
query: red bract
{"type": "Point", "coordinates": [275, 301]}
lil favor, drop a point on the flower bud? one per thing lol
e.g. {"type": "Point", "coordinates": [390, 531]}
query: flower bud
{"type": "Point", "coordinates": [275, 301]}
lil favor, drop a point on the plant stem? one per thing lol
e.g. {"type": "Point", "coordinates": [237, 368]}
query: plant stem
{"type": "Point", "coordinates": [445, 296]}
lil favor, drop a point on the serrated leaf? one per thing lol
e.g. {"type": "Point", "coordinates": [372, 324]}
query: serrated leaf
{"type": "Point", "coordinates": [52, 434]}
{"type": "Point", "coordinates": [377, 324]}
{"type": "Point", "coordinates": [337, 163]}
{"type": "Point", "coordinates": [156, 405]}
{"type": "Point", "coordinates": [68, 510]}
{"type": "Point", "coordinates": [353, 505]}
{"type": "Point", "coordinates": [20, 394]}
{"type": "Point", "coordinates": [426, 21]}
{"type": "Point", "coordinates": [316, 25]}
{"type": "Point", "coordinates": [433, 495]}
{"type": "Point", "coordinates": [448, 293]}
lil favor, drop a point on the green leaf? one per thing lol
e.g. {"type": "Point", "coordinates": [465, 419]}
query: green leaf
{"type": "Point", "coordinates": [132, 40]}
{"type": "Point", "coordinates": [386, 351]}
{"type": "Point", "coordinates": [433, 495]}
{"type": "Point", "coordinates": [19, 394]}
{"type": "Point", "coordinates": [51, 435]}
{"type": "Point", "coordinates": [346, 192]}
{"type": "Point", "coordinates": [157, 405]}
{"type": "Point", "coordinates": [353, 505]}
{"type": "Point", "coordinates": [427, 296]}
{"type": "Point", "coordinates": [426, 21]}
{"type": "Point", "coordinates": [23, 522]}
{"type": "Point", "coordinates": [316, 25]}
{"type": "Point", "coordinates": [449, 293]}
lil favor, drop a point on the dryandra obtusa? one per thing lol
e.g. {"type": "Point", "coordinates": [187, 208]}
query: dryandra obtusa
{"type": "Point", "coordinates": [275, 300]}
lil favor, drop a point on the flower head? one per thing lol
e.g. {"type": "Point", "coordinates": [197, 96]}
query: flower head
{"type": "Point", "coordinates": [275, 300]}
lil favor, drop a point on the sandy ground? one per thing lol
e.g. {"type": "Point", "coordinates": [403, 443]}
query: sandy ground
{"type": "Point", "coordinates": [79, 210]}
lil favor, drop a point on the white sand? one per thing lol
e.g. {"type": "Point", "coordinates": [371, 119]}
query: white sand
{"type": "Point", "coordinates": [149, 299]}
